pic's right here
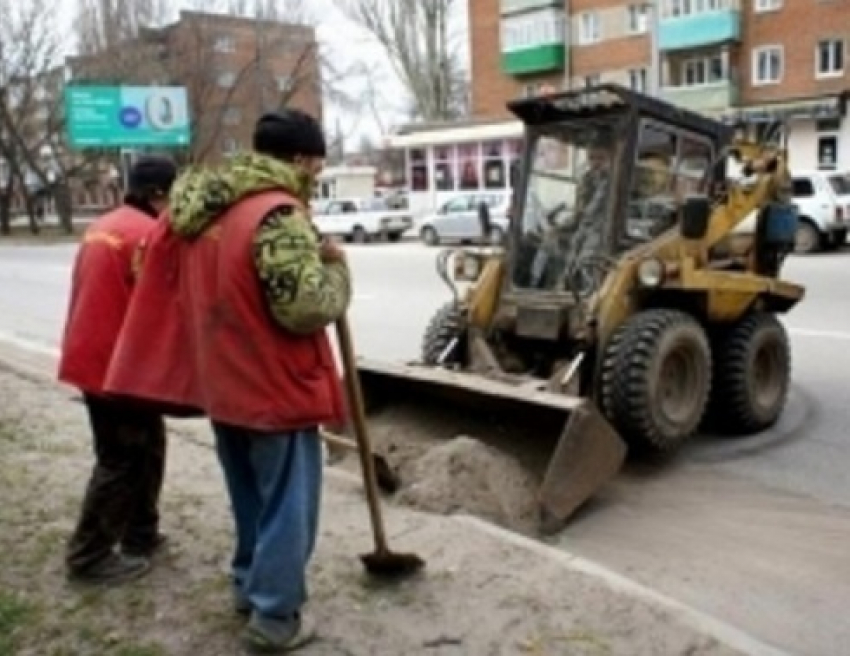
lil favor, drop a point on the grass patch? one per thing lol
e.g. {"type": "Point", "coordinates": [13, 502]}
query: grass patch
{"type": "Point", "coordinates": [16, 615]}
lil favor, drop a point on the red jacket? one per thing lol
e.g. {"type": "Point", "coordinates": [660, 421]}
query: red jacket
{"type": "Point", "coordinates": [199, 335]}
{"type": "Point", "coordinates": [100, 293]}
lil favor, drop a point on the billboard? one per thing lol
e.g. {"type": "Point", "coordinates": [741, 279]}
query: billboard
{"type": "Point", "coordinates": [125, 117]}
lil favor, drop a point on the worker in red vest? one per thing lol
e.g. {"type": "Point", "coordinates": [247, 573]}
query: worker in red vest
{"type": "Point", "coordinates": [244, 290]}
{"type": "Point", "coordinates": [121, 502]}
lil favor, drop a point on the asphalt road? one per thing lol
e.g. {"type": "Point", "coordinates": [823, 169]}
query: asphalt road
{"type": "Point", "coordinates": [755, 531]}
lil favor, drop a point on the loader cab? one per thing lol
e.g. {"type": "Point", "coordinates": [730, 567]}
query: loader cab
{"type": "Point", "coordinates": [605, 170]}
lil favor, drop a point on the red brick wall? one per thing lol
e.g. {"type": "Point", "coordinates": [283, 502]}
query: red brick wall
{"type": "Point", "coordinates": [798, 25]}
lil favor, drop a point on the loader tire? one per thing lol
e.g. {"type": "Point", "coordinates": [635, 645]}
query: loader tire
{"type": "Point", "coordinates": [752, 370]}
{"type": "Point", "coordinates": [656, 379]}
{"type": "Point", "coordinates": [445, 326]}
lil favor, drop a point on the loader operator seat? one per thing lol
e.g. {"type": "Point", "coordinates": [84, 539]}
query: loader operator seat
{"type": "Point", "coordinates": [564, 245]}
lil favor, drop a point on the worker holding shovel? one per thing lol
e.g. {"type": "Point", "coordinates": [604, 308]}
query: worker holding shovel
{"type": "Point", "coordinates": [245, 290]}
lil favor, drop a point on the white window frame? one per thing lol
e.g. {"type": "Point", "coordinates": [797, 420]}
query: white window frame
{"type": "Point", "coordinates": [641, 76]}
{"type": "Point", "coordinates": [833, 72]}
{"type": "Point", "coordinates": [589, 28]}
{"type": "Point", "coordinates": [761, 6]}
{"type": "Point", "coordinates": [232, 116]}
{"type": "Point", "coordinates": [229, 146]}
{"type": "Point", "coordinates": [705, 63]}
{"type": "Point", "coordinates": [766, 50]}
{"type": "Point", "coordinates": [637, 19]}
{"type": "Point", "coordinates": [226, 79]}
{"type": "Point", "coordinates": [682, 8]}
{"type": "Point", "coordinates": [225, 44]}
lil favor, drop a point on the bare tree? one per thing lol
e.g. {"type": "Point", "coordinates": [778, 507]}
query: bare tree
{"type": "Point", "coordinates": [31, 123]}
{"type": "Point", "coordinates": [418, 40]}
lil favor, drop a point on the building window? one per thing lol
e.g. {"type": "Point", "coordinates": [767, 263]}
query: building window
{"type": "Point", "coordinates": [592, 80]}
{"type": "Point", "coordinates": [445, 158]}
{"type": "Point", "coordinates": [588, 28]}
{"type": "Point", "coordinates": [224, 44]}
{"type": "Point", "coordinates": [232, 116]}
{"type": "Point", "coordinates": [284, 83]}
{"type": "Point", "coordinates": [767, 65]}
{"type": "Point", "coordinates": [767, 5]}
{"type": "Point", "coordinates": [229, 146]}
{"type": "Point", "coordinates": [704, 70]}
{"type": "Point", "coordinates": [226, 79]}
{"type": "Point", "coordinates": [533, 30]}
{"type": "Point", "coordinates": [418, 169]}
{"type": "Point", "coordinates": [638, 19]}
{"type": "Point", "coordinates": [494, 164]}
{"type": "Point", "coordinates": [830, 58]}
{"type": "Point", "coordinates": [638, 79]}
{"type": "Point", "coordinates": [469, 161]}
{"type": "Point", "coordinates": [827, 152]}
{"type": "Point", "coordinates": [678, 8]}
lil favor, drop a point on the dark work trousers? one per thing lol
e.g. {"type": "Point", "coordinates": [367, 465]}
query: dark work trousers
{"type": "Point", "coordinates": [122, 497]}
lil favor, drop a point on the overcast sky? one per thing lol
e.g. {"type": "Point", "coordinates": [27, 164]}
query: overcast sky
{"type": "Point", "coordinates": [344, 40]}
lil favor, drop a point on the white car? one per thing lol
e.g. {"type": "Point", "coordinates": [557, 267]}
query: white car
{"type": "Point", "coordinates": [458, 219]}
{"type": "Point", "coordinates": [823, 199]}
{"type": "Point", "coordinates": [823, 202]}
{"type": "Point", "coordinates": [361, 220]}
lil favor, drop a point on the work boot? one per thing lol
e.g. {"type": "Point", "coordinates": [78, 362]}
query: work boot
{"type": "Point", "coordinates": [112, 570]}
{"type": "Point", "coordinates": [148, 550]}
{"type": "Point", "coordinates": [266, 635]}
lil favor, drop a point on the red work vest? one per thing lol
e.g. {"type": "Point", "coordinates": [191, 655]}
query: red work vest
{"type": "Point", "coordinates": [199, 334]}
{"type": "Point", "coordinates": [100, 292]}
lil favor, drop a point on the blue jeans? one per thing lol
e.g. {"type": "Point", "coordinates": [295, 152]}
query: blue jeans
{"type": "Point", "coordinates": [274, 482]}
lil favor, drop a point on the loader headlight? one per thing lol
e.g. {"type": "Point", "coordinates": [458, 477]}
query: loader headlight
{"type": "Point", "coordinates": [467, 267]}
{"type": "Point", "coordinates": [650, 272]}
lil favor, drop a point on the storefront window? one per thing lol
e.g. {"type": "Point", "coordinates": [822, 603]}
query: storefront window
{"type": "Point", "coordinates": [494, 164]}
{"type": "Point", "coordinates": [469, 159]}
{"type": "Point", "coordinates": [418, 170]}
{"type": "Point", "coordinates": [444, 167]}
{"type": "Point", "coordinates": [514, 160]}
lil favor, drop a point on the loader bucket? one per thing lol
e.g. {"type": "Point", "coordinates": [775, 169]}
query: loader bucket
{"type": "Point", "coordinates": [564, 441]}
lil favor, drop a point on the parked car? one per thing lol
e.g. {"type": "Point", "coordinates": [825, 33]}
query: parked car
{"type": "Point", "coordinates": [458, 219]}
{"type": "Point", "coordinates": [823, 201]}
{"type": "Point", "coordinates": [362, 219]}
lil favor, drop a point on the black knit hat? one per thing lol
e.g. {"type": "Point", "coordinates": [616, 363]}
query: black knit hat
{"type": "Point", "coordinates": [288, 133]}
{"type": "Point", "coordinates": [151, 176]}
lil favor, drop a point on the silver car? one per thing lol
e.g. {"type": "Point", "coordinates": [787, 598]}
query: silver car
{"type": "Point", "coordinates": [458, 219]}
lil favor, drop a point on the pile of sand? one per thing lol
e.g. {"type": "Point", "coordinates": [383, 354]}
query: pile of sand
{"type": "Point", "coordinates": [464, 475]}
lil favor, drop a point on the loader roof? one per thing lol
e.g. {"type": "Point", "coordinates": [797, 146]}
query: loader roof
{"type": "Point", "coordinates": [607, 99]}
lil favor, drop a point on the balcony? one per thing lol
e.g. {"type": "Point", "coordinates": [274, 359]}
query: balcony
{"type": "Point", "coordinates": [534, 42]}
{"type": "Point", "coordinates": [535, 60]}
{"type": "Point", "coordinates": [703, 97]}
{"type": "Point", "coordinates": [712, 22]}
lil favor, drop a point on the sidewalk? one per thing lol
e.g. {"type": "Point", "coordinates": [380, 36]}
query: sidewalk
{"type": "Point", "coordinates": [484, 590]}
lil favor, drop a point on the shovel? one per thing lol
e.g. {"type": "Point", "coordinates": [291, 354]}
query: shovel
{"type": "Point", "coordinates": [382, 561]}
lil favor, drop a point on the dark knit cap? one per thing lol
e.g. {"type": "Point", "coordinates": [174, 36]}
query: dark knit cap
{"type": "Point", "coordinates": [288, 133]}
{"type": "Point", "coordinates": [152, 175]}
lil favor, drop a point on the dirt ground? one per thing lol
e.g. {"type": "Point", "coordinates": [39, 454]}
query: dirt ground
{"type": "Point", "coordinates": [479, 595]}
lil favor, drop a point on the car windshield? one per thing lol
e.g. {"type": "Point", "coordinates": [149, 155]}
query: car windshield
{"type": "Point", "coordinates": [373, 205]}
{"type": "Point", "coordinates": [564, 218]}
{"type": "Point", "coordinates": [840, 184]}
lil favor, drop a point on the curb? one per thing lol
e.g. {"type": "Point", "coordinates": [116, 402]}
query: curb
{"type": "Point", "coordinates": [721, 631]}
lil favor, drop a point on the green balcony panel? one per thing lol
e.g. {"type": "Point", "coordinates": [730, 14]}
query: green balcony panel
{"type": "Point", "coordinates": [703, 98]}
{"type": "Point", "coordinates": [534, 60]}
{"type": "Point", "coordinates": [698, 30]}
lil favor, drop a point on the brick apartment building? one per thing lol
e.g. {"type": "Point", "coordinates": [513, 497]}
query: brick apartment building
{"type": "Point", "coordinates": [758, 59]}
{"type": "Point", "coordinates": [233, 69]}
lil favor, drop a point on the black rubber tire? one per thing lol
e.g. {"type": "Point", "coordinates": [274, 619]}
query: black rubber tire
{"type": "Point", "coordinates": [359, 235]}
{"type": "Point", "coordinates": [447, 324]}
{"type": "Point", "coordinates": [752, 372]}
{"type": "Point", "coordinates": [429, 236]}
{"type": "Point", "coordinates": [634, 395]}
{"type": "Point", "coordinates": [808, 239]}
{"type": "Point", "coordinates": [838, 239]}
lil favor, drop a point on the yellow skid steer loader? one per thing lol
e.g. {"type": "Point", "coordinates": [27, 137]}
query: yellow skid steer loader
{"type": "Point", "coordinates": [627, 308]}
